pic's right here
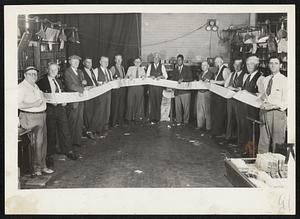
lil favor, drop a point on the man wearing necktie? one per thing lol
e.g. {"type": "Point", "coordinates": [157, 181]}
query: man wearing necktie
{"type": "Point", "coordinates": [203, 99]}
{"type": "Point", "coordinates": [75, 82]}
{"type": "Point", "coordinates": [118, 96]}
{"type": "Point", "coordinates": [156, 71]}
{"type": "Point", "coordinates": [135, 95]}
{"type": "Point", "coordinates": [56, 117]}
{"type": "Point", "coordinates": [218, 103]}
{"type": "Point", "coordinates": [253, 84]}
{"type": "Point", "coordinates": [182, 97]}
{"type": "Point", "coordinates": [235, 83]}
{"type": "Point", "coordinates": [273, 110]}
{"type": "Point", "coordinates": [90, 116]}
{"type": "Point", "coordinates": [103, 108]}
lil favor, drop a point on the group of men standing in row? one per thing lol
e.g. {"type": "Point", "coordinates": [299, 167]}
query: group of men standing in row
{"type": "Point", "coordinates": [67, 122]}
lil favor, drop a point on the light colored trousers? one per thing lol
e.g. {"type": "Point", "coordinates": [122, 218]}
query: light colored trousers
{"type": "Point", "coordinates": [203, 110]}
{"type": "Point", "coordinates": [182, 106]}
{"type": "Point", "coordinates": [274, 124]}
{"type": "Point", "coordinates": [37, 124]}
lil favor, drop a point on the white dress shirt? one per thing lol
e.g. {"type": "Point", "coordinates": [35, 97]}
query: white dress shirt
{"type": "Point", "coordinates": [163, 70]}
{"type": "Point", "coordinates": [279, 90]}
{"type": "Point", "coordinates": [52, 85]}
{"type": "Point", "coordinates": [131, 72]}
{"type": "Point", "coordinates": [28, 93]}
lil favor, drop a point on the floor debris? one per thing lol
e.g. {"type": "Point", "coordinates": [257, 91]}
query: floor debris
{"type": "Point", "coordinates": [138, 171]}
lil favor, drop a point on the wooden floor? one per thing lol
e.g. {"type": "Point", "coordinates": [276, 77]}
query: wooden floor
{"type": "Point", "coordinates": [146, 156]}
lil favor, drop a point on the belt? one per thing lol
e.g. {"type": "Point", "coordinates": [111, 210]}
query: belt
{"type": "Point", "coordinates": [32, 112]}
{"type": "Point", "coordinates": [203, 91]}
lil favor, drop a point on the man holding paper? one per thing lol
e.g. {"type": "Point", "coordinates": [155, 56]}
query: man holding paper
{"type": "Point", "coordinates": [273, 109]}
{"type": "Point", "coordinates": [135, 95]}
{"type": "Point", "coordinates": [182, 97]}
{"type": "Point", "coordinates": [156, 71]}
{"type": "Point", "coordinates": [203, 99]}
{"type": "Point", "coordinates": [75, 82]}
{"type": "Point", "coordinates": [235, 83]}
{"type": "Point", "coordinates": [218, 103]}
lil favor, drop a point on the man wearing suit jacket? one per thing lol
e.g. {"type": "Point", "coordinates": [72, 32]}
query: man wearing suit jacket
{"type": "Point", "coordinates": [182, 73]}
{"type": "Point", "coordinates": [56, 118]}
{"type": "Point", "coordinates": [90, 117]}
{"type": "Point", "coordinates": [74, 82]}
{"type": "Point", "coordinates": [103, 110]}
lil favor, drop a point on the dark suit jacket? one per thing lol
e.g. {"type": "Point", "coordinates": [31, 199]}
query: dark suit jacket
{"type": "Point", "coordinates": [101, 75]}
{"type": "Point", "coordinates": [87, 78]}
{"type": "Point", "coordinates": [44, 86]}
{"type": "Point", "coordinates": [186, 74]}
{"type": "Point", "coordinates": [73, 82]}
{"type": "Point", "coordinates": [209, 75]}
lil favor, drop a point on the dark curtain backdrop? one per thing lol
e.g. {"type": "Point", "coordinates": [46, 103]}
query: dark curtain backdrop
{"type": "Point", "coordinates": [102, 34]}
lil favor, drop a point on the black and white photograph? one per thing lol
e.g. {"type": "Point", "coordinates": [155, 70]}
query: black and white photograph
{"type": "Point", "coordinates": [150, 109]}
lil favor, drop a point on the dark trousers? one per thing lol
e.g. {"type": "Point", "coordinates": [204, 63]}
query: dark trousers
{"type": "Point", "coordinates": [218, 111]}
{"type": "Point", "coordinates": [118, 100]}
{"type": "Point", "coordinates": [103, 111]}
{"type": "Point", "coordinates": [182, 107]}
{"type": "Point", "coordinates": [233, 124]}
{"type": "Point", "coordinates": [135, 103]}
{"type": "Point", "coordinates": [57, 125]}
{"type": "Point", "coordinates": [253, 113]}
{"type": "Point", "coordinates": [89, 113]}
{"type": "Point", "coordinates": [155, 97]}
{"type": "Point", "coordinates": [75, 120]}
{"type": "Point", "coordinates": [242, 123]}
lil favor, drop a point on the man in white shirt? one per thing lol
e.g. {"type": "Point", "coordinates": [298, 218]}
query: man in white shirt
{"type": "Point", "coordinates": [118, 96]}
{"type": "Point", "coordinates": [252, 84]}
{"type": "Point", "coordinates": [103, 109]}
{"type": "Point", "coordinates": [273, 109]}
{"type": "Point", "coordinates": [235, 83]}
{"type": "Point", "coordinates": [90, 117]}
{"type": "Point", "coordinates": [218, 103]}
{"type": "Point", "coordinates": [156, 71]}
{"type": "Point", "coordinates": [32, 106]}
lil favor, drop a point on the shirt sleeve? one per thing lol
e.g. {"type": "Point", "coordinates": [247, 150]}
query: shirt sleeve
{"type": "Point", "coordinates": [260, 84]}
{"type": "Point", "coordinates": [164, 72]}
{"type": "Point", "coordinates": [226, 74]}
{"type": "Point", "coordinates": [148, 71]}
{"type": "Point", "coordinates": [284, 102]}
{"type": "Point", "coordinates": [21, 95]}
{"type": "Point", "coordinates": [228, 80]}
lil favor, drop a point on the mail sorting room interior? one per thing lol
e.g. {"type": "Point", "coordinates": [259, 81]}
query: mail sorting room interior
{"type": "Point", "coordinates": [148, 100]}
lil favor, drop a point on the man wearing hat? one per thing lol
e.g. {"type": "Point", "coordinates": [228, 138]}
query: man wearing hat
{"type": "Point", "coordinates": [32, 116]}
{"type": "Point", "coordinates": [74, 82]}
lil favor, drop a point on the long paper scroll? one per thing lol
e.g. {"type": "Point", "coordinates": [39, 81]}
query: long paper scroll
{"type": "Point", "coordinates": [69, 97]}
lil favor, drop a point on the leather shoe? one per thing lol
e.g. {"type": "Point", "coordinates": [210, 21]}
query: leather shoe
{"type": "Point", "coordinates": [47, 170]}
{"type": "Point", "coordinates": [90, 135]}
{"type": "Point", "coordinates": [49, 161]}
{"type": "Point", "coordinates": [72, 156]}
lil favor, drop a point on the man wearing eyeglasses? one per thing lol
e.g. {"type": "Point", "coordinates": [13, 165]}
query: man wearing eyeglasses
{"type": "Point", "coordinates": [32, 106]}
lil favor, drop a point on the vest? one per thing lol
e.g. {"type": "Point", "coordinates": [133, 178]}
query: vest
{"type": "Point", "coordinates": [156, 72]}
{"type": "Point", "coordinates": [220, 76]}
{"type": "Point", "coordinates": [251, 85]}
{"type": "Point", "coordinates": [239, 80]}
{"type": "Point", "coordinates": [119, 73]}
